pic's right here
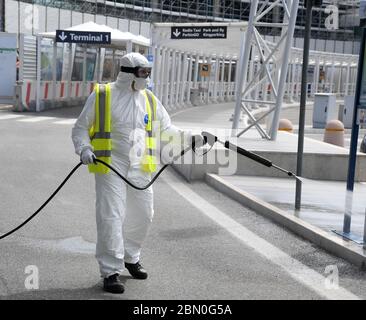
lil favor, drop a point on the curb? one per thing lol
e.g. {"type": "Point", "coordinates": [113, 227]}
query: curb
{"type": "Point", "coordinates": [5, 107]}
{"type": "Point", "coordinates": [335, 245]}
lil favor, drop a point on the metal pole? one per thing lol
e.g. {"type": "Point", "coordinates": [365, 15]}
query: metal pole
{"type": "Point", "coordinates": [2, 15]}
{"type": "Point", "coordinates": [217, 65]}
{"type": "Point", "coordinates": [157, 70]}
{"type": "Point", "coordinates": [178, 79]}
{"type": "Point", "coordinates": [84, 70]}
{"type": "Point", "coordinates": [364, 233]}
{"type": "Point", "coordinates": [316, 75]}
{"type": "Point", "coordinates": [183, 79]}
{"type": "Point", "coordinates": [222, 85]}
{"type": "Point", "coordinates": [195, 73]}
{"type": "Point", "coordinates": [38, 91]}
{"type": "Point", "coordinates": [189, 80]}
{"type": "Point", "coordinates": [228, 89]}
{"type": "Point", "coordinates": [332, 84]}
{"type": "Point", "coordinates": [162, 66]}
{"type": "Point", "coordinates": [354, 134]}
{"type": "Point", "coordinates": [305, 63]}
{"type": "Point", "coordinates": [340, 71]}
{"type": "Point", "coordinates": [166, 77]}
{"type": "Point", "coordinates": [69, 72]}
{"type": "Point", "coordinates": [171, 83]}
{"type": "Point", "coordinates": [346, 89]}
{"type": "Point", "coordinates": [54, 78]}
{"type": "Point", "coordinates": [209, 84]}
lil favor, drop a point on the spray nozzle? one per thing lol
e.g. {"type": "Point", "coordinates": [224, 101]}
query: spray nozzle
{"type": "Point", "coordinates": [209, 138]}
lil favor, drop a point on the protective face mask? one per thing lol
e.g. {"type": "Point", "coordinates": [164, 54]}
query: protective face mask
{"type": "Point", "coordinates": [140, 83]}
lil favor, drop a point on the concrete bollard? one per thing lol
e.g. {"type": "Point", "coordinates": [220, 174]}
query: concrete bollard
{"type": "Point", "coordinates": [334, 133]}
{"type": "Point", "coordinates": [285, 125]}
{"type": "Point", "coordinates": [363, 144]}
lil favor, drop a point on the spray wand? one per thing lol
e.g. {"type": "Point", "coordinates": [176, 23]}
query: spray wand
{"type": "Point", "coordinates": [211, 139]}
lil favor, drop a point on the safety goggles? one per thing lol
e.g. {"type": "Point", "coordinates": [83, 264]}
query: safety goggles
{"type": "Point", "coordinates": [139, 72]}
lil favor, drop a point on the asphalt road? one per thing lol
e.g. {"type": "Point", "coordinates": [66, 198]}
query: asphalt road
{"type": "Point", "coordinates": [202, 245]}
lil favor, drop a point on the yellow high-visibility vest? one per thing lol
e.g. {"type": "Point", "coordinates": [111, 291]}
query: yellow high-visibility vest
{"type": "Point", "coordinates": [149, 161]}
{"type": "Point", "coordinates": [100, 132]}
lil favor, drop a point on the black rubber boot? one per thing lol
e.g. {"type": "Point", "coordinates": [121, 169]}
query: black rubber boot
{"type": "Point", "coordinates": [113, 284]}
{"type": "Point", "coordinates": [136, 270]}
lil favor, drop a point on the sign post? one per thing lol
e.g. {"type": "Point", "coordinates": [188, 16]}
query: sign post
{"type": "Point", "coordinates": [359, 110]}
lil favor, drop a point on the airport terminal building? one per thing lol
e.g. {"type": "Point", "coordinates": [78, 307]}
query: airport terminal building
{"type": "Point", "coordinates": [56, 71]}
{"type": "Point", "coordinates": [35, 16]}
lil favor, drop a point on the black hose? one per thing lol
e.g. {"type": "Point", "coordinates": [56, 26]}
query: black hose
{"type": "Point", "coordinates": [105, 164]}
{"type": "Point", "coordinates": [44, 204]}
{"type": "Point", "coordinates": [68, 177]}
{"type": "Point", "coordinates": [130, 183]}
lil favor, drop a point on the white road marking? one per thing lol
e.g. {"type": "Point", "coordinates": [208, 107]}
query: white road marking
{"type": "Point", "coordinates": [293, 267]}
{"type": "Point", "coordinates": [10, 116]}
{"type": "Point", "coordinates": [67, 121]}
{"type": "Point", "coordinates": [35, 119]}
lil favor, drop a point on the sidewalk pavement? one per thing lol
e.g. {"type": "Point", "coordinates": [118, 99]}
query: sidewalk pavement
{"type": "Point", "coordinates": [323, 202]}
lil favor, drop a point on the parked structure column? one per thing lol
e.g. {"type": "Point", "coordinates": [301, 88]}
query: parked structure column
{"type": "Point", "coordinates": [347, 87]}
{"type": "Point", "coordinates": [161, 72]}
{"type": "Point", "coordinates": [69, 71]}
{"type": "Point", "coordinates": [189, 80]}
{"type": "Point", "coordinates": [178, 78]}
{"type": "Point", "coordinates": [173, 80]}
{"type": "Point", "coordinates": [156, 69]}
{"type": "Point", "coordinates": [214, 98]}
{"type": "Point", "coordinates": [316, 75]}
{"type": "Point", "coordinates": [166, 77]}
{"type": "Point", "coordinates": [222, 79]}
{"type": "Point", "coordinates": [339, 78]}
{"type": "Point", "coordinates": [183, 79]}
{"type": "Point", "coordinates": [228, 88]}
{"type": "Point", "coordinates": [332, 71]}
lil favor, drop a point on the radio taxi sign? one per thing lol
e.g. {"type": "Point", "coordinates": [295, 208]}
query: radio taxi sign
{"type": "Point", "coordinates": [199, 32]}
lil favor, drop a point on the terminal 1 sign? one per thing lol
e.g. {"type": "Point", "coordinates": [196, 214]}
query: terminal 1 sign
{"type": "Point", "coordinates": [199, 32]}
{"type": "Point", "coordinates": [83, 37]}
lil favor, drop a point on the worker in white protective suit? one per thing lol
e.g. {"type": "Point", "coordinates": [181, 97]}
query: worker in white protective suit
{"type": "Point", "coordinates": [113, 127]}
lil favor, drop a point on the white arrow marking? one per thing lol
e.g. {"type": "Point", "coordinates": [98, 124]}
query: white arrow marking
{"type": "Point", "coordinates": [62, 36]}
{"type": "Point", "coordinates": [176, 33]}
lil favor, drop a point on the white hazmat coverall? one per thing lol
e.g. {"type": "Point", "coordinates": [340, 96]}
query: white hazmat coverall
{"type": "Point", "coordinates": [123, 214]}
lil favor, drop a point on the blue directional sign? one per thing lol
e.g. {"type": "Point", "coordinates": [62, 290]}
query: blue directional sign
{"type": "Point", "coordinates": [91, 37]}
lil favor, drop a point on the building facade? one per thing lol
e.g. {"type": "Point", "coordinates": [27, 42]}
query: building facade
{"type": "Point", "coordinates": [334, 24]}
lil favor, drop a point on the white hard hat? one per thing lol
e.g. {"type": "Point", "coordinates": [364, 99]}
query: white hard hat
{"type": "Point", "coordinates": [135, 59]}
